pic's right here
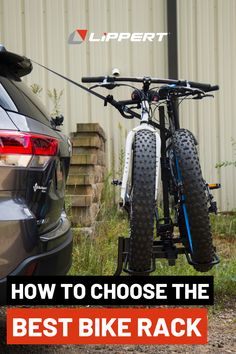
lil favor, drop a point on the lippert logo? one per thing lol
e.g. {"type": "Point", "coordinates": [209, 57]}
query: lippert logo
{"type": "Point", "coordinates": [80, 35]}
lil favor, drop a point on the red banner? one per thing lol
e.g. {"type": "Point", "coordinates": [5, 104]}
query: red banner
{"type": "Point", "coordinates": [106, 326]}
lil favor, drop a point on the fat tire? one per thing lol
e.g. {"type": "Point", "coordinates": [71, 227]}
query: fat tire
{"type": "Point", "coordinates": [142, 202]}
{"type": "Point", "coordinates": [194, 189]}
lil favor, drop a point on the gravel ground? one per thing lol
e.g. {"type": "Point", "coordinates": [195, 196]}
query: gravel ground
{"type": "Point", "coordinates": [222, 340]}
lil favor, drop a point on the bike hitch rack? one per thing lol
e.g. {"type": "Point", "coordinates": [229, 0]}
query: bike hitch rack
{"type": "Point", "coordinates": [165, 249]}
{"type": "Point", "coordinates": [161, 249]}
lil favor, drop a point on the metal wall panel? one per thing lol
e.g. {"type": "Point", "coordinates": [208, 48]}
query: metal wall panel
{"type": "Point", "coordinates": [207, 52]}
{"type": "Point", "coordinates": [40, 30]}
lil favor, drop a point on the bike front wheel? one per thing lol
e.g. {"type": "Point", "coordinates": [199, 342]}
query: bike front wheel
{"type": "Point", "coordinates": [142, 202]}
{"type": "Point", "coordinates": [193, 216]}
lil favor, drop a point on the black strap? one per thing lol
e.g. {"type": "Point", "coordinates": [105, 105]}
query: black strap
{"type": "Point", "coordinates": [104, 98]}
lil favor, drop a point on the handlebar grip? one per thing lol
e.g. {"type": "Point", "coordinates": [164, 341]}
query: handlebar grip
{"type": "Point", "coordinates": [97, 79]}
{"type": "Point", "coordinates": [204, 87]}
{"type": "Point", "coordinates": [213, 88]}
{"type": "Point", "coordinates": [93, 79]}
{"type": "Point", "coordinates": [199, 85]}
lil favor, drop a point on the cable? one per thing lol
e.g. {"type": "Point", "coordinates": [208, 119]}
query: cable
{"type": "Point", "coordinates": [72, 81]}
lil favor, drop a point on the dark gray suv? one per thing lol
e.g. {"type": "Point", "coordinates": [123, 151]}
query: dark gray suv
{"type": "Point", "coordinates": [35, 235]}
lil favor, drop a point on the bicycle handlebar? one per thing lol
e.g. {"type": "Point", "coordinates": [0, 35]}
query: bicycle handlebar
{"type": "Point", "coordinates": [201, 86]}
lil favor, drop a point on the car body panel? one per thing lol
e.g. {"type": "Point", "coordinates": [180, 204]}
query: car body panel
{"type": "Point", "coordinates": [5, 121]}
{"type": "Point", "coordinates": [34, 229]}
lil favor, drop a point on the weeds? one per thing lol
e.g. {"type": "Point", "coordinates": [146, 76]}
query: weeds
{"type": "Point", "coordinates": [108, 209]}
{"type": "Point", "coordinates": [36, 89]}
{"type": "Point", "coordinates": [121, 156]}
{"type": "Point", "coordinates": [229, 163]}
{"type": "Point", "coordinates": [55, 96]}
{"type": "Point", "coordinates": [97, 255]}
{"type": "Point", "coordinates": [68, 207]}
{"type": "Point", "coordinates": [224, 225]}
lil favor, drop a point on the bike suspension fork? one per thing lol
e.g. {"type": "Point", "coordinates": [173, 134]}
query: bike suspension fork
{"type": "Point", "coordinates": [145, 111]}
{"type": "Point", "coordinates": [164, 166]}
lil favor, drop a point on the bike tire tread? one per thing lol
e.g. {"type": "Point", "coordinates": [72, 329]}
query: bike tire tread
{"type": "Point", "coordinates": [142, 201]}
{"type": "Point", "coordinates": [196, 200]}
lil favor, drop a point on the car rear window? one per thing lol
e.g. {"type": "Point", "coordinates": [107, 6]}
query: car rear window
{"type": "Point", "coordinates": [17, 97]}
{"type": "Point", "coordinates": [5, 100]}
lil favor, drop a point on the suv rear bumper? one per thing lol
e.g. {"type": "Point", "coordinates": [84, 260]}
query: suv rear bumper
{"type": "Point", "coordinates": [53, 260]}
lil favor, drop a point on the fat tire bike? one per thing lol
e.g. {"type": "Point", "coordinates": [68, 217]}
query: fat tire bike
{"type": "Point", "coordinates": [186, 197]}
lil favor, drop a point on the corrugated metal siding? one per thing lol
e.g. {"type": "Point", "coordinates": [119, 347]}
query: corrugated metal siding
{"type": "Point", "coordinates": [40, 30]}
{"type": "Point", "coordinates": [207, 48]}
{"type": "Point", "coordinates": [207, 53]}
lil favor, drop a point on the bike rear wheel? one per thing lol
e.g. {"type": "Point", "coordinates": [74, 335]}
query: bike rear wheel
{"type": "Point", "coordinates": [142, 202]}
{"type": "Point", "coordinates": [194, 222]}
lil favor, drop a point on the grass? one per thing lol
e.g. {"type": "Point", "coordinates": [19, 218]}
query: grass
{"type": "Point", "coordinates": [224, 224]}
{"type": "Point", "coordinates": [97, 255]}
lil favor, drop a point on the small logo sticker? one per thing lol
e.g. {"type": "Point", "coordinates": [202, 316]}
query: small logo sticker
{"type": "Point", "coordinates": [36, 187]}
{"type": "Point", "coordinates": [78, 36]}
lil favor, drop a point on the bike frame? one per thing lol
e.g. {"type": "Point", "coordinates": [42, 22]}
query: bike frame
{"type": "Point", "coordinates": [166, 96]}
{"type": "Point", "coordinates": [161, 158]}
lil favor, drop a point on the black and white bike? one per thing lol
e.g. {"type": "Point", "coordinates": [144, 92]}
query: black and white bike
{"type": "Point", "coordinates": [186, 199]}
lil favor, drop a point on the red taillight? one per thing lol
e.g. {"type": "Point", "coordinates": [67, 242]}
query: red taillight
{"type": "Point", "coordinates": [30, 269]}
{"type": "Point", "coordinates": [19, 149]}
{"type": "Point", "coordinates": [43, 145]}
{"type": "Point", "coordinates": [27, 144]}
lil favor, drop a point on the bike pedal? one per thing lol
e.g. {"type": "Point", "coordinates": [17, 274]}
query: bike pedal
{"type": "Point", "coordinates": [116, 182]}
{"type": "Point", "coordinates": [213, 208]}
{"type": "Point", "coordinates": [214, 185]}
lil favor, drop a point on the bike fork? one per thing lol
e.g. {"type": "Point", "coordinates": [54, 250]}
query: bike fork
{"type": "Point", "coordinates": [128, 160]}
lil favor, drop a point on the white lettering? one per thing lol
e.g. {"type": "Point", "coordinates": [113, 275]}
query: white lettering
{"type": "Point", "coordinates": [177, 290]}
{"type": "Point", "coordinates": [49, 324]}
{"type": "Point", "coordinates": [92, 39]}
{"type": "Point", "coordinates": [161, 328]}
{"type": "Point", "coordinates": [93, 291]}
{"type": "Point", "coordinates": [202, 291]}
{"type": "Point", "coordinates": [66, 290]}
{"type": "Point", "coordinates": [174, 323]}
{"type": "Point", "coordinates": [85, 327]}
{"type": "Point", "coordinates": [79, 291]}
{"type": "Point", "coordinates": [123, 326]}
{"type": "Point", "coordinates": [144, 325]}
{"type": "Point", "coordinates": [192, 327]}
{"type": "Point", "coordinates": [46, 291]}
{"type": "Point", "coordinates": [33, 327]}
{"type": "Point", "coordinates": [15, 291]}
{"type": "Point", "coordinates": [161, 36]}
{"type": "Point", "coordinates": [65, 324]}
{"type": "Point", "coordinates": [123, 35]}
{"type": "Point", "coordinates": [19, 327]}
{"type": "Point", "coordinates": [149, 37]}
{"type": "Point", "coordinates": [133, 37]}
{"type": "Point", "coordinates": [111, 35]}
{"type": "Point", "coordinates": [136, 37]}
